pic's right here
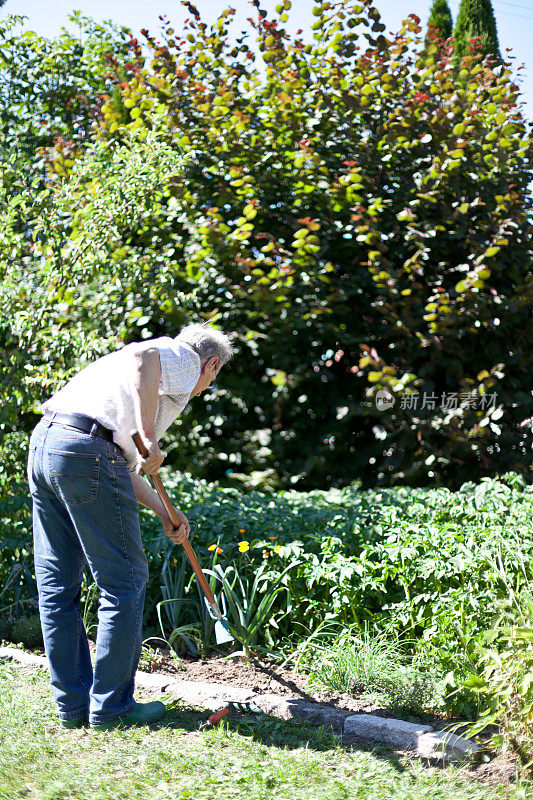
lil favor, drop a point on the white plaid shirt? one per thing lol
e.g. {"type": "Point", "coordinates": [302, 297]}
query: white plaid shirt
{"type": "Point", "coordinates": [102, 391]}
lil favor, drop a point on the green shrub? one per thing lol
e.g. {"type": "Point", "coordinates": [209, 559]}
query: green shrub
{"type": "Point", "coordinates": [505, 675]}
{"type": "Point", "coordinates": [355, 212]}
{"type": "Point", "coordinates": [27, 631]}
{"type": "Point", "coordinates": [372, 235]}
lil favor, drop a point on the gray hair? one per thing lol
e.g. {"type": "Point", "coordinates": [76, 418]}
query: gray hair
{"type": "Point", "coordinates": [207, 342]}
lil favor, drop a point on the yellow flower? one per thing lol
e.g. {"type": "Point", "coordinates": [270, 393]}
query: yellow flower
{"type": "Point", "coordinates": [241, 530]}
{"type": "Point", "coordinates": [277, 548]}
{"type": "Point", "coordinates": [243, 547]}
{"type": "Point", "coordinates": [214, 547]}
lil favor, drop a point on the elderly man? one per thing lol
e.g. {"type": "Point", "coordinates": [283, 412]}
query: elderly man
{"type": "Point", "coordinates": [85, 480]}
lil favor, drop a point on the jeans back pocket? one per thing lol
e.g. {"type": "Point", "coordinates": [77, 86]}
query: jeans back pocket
{"type": "Point", "coordinates": [74, 476]}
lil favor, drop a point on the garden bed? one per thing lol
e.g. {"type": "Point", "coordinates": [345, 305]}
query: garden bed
{"type": "Point", "coordinates": [259, 676]}
{"type": "Point", "coordinates": [265, 677]}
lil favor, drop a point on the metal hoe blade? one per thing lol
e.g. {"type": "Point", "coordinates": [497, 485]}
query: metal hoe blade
{"type": "Point", "coordinates": [222, 631]}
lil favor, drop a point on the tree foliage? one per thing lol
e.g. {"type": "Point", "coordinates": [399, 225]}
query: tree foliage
{"type": "Point", "coordinates": [440, 20]}
{"type": "Point", "coordinates": [50, 88]}
{"type": "Point", "coordinates": [476, 21]}
{"type": "Point", "coordinates": [49, 93]}
{"type": "Point", "coordinates": [356, 212]}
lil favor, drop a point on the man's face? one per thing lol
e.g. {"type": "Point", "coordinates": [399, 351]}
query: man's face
{"type": "Point", "coordinates": [210, 370]}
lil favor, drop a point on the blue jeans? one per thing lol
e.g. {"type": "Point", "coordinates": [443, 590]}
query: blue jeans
{"type": "Point", "coordinates": [85, 512]}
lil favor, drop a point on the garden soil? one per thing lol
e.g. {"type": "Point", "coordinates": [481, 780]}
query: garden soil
{"type": "Point", "coordinates": [258, 676]}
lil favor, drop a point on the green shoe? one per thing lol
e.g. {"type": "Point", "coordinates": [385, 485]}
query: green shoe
{"type": "Point", "coordinates": [142, 714]}
{"type": "Point", "coordinates": [74, 723]}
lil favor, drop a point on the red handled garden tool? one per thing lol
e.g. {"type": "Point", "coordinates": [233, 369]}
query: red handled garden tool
{"type": "Point", "coordinates": [222, 631]}
{"type": "Point", "coordinates": [229, 709]}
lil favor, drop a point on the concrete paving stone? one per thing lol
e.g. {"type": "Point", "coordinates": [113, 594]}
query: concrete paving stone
{"type": "Point", "coordinates": [205, 695]}
{"type": "Point", "coordinates": [293, 708]}
{"type": "Point", "coordinates": [21, 657]}
{"type": "Point", "coordinates": [213, 696]}
{"type": "Point", "coordinates": [394, 732]}
{"type": "Point", "coordinates": [445, 746]}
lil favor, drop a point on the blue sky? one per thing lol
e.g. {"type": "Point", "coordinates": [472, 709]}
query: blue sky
{"type": "Point", "coordinates": [514, 19]}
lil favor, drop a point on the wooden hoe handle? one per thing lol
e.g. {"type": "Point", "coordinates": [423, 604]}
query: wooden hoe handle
{"type": "Point", "coordinates": [171, 511]}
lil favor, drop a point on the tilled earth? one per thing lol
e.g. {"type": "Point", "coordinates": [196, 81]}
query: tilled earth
{"type": "Point", "coordinates": [258, 676]}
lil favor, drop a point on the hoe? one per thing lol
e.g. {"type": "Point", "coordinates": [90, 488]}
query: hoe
{"type": "Point", "coordinates": [222, 631]}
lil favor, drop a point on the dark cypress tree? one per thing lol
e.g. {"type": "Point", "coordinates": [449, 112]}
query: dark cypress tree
{"type": "Point", "coordinates": [476, 18]}
{"type": "Point", "coordinates": [440, 18]}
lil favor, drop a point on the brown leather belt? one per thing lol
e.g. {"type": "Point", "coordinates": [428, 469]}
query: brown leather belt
{"type": "Point", "coordinates": [81, 422]}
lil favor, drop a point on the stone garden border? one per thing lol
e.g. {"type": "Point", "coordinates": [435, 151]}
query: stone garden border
{"type": "Point", "coordinates": [419, 740]}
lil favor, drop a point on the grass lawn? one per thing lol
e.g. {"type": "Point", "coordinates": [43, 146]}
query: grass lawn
{"type": "Point", "coordinates": [250, 757]}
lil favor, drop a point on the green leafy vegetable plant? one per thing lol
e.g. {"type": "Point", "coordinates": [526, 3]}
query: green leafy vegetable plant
{"type": "Point", "coordinates": [505, 675]}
